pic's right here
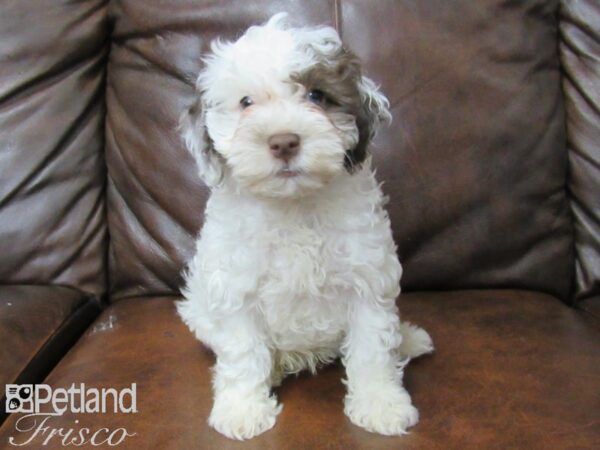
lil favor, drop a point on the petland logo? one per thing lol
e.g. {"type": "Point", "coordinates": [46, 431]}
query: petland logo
{"type": "Point", "coordinates": [41, 403]}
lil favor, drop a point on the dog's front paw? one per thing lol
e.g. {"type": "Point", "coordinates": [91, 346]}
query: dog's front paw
{"type": "Point", "coordinates": [243, 416]}
{"type": "Point", "coordinates": [387, 410]}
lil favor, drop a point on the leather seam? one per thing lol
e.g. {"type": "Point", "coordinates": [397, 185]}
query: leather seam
{"type": "Point", "coordinates": [337, 16]}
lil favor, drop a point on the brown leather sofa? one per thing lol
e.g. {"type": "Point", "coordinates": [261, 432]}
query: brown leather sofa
{"type": "Point", "coordinates": [492, 165]}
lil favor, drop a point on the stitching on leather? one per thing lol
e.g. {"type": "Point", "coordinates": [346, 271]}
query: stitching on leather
{"type": "Point", "coordinates": [337, 7]}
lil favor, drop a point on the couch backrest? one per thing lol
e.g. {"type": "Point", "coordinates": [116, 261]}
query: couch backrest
{"type": "Point", "coordinates": [580, 58]}
{"type": "Point", "coordinates": [52, 171]}
{"type": "Point", "coordinates": [475, 161]}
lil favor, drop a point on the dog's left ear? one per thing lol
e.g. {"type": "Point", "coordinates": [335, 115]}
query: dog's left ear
{"type": "Point", "coordinates": [373, 111]}
{"type": "Point", "coordinates": [192, 126]}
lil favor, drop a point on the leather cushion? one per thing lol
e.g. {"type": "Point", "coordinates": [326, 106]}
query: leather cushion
{"type": "Point", "coordinates": [37, 326]}
{"type": "Point", "coordinates": [592, 306]}
{"type": "Point", "coordinates": [474, 162]}
{"type": "Point", "coordinates": [512, 369]}
{"type": "Point", "coordinates": [580, 58]}
{"type": "Point", "coordinates": [52, 218]}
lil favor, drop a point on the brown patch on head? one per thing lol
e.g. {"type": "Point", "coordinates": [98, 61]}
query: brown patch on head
{"type": "Point", "coordinates": [339, 77]}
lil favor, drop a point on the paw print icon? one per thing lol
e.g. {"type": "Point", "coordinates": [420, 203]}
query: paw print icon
{"type": "Point", "coordinates": [13, 405]}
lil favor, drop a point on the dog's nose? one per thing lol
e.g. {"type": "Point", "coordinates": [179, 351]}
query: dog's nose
{"type": "Point", "coordinates": [284, 146]}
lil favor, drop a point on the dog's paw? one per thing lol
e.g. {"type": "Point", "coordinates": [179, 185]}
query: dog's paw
{"type": "Point", "coordinates": [387, 411]}
{"type": "Point", "coordinates": [415, 341]}
{"type": "Point", "coordinates": [243, 417]}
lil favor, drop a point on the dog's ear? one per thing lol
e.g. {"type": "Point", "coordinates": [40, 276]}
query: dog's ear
{"type": "Point", "coordinates": [192, 126]}
{"type": "Point", "coordinates": [373, 111]}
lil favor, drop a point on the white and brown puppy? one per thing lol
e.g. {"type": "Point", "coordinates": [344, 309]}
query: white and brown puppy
{"type": "Point", "coordinates": [295, 265]}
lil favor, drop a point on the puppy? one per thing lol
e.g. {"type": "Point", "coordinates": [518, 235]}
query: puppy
{"type": "Point", "coordinates": [295, 265]}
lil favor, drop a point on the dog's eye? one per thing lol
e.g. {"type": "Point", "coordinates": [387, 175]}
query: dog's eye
{"type": "Point", "coordinates": [246, 101]}
{"type": "Point", "coordinates": [316, 96]}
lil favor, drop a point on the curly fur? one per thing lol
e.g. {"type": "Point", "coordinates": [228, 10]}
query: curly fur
{"type": "Point", "coordinates": [292, 272]}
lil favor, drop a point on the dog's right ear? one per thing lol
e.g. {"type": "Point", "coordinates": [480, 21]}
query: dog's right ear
{"type": "Point", "coordinates": [192, 126]}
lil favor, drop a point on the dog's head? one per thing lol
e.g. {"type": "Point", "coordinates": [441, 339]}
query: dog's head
{"type": "Point", "coordinates": [281, 111]}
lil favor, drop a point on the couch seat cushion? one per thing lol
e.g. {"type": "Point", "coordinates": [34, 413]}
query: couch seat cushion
{"type": "Point", "coordinates": [37, 325]}
{"type": "Point", "coordinates": [512, 369]}
{"type": "Point", "coordinates": [592, 306]}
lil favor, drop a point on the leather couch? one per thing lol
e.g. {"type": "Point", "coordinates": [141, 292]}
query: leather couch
{"type": "Point", "coordinates": [492, 165]}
